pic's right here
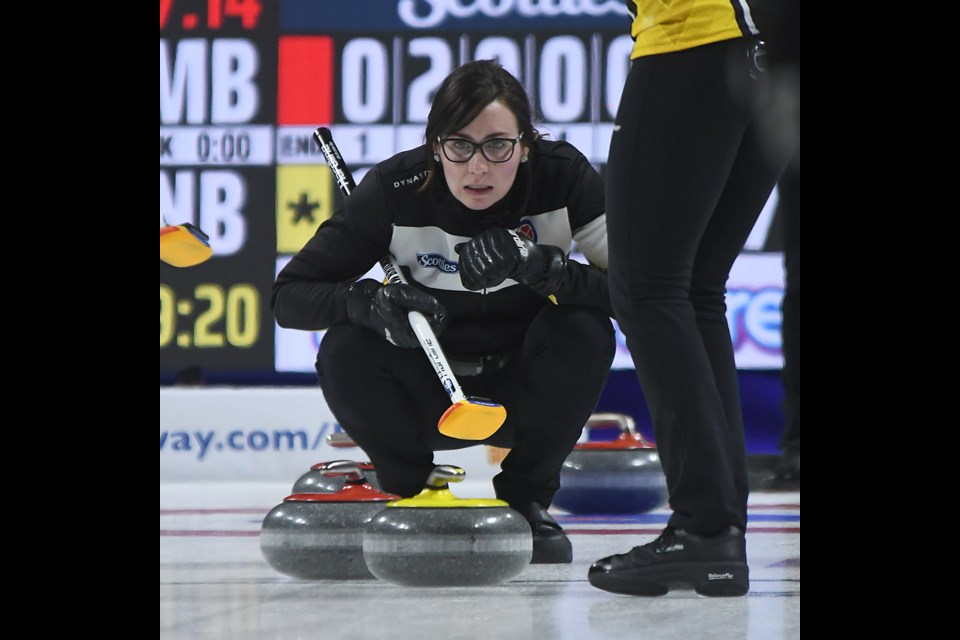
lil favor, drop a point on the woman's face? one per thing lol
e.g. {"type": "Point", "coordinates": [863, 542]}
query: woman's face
{"type": "Point", "coordinates": [479, 183]}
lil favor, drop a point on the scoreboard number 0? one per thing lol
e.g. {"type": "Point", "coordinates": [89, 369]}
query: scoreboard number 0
{"type": "Point", "coordinates": [562, 89]}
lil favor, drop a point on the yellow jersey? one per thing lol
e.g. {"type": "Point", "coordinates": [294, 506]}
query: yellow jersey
{"type": "Point", "coordinates": [661, 26]}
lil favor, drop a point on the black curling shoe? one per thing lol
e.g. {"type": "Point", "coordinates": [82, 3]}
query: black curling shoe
{"type": "Point", "coordinates": [550, 543]}
{"type": "Point", "coordinates": [712, 565]}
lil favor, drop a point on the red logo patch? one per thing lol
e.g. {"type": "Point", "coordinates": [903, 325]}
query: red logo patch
{"type": "Point", "coordinates": [527, 230]}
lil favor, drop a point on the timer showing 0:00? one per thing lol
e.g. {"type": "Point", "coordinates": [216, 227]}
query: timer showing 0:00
{"type": "Point", "coordinates": [212, 318]}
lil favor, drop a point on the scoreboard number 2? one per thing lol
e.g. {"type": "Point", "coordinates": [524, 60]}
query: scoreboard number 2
{"type": "Point", "coordinates": [565, 87]}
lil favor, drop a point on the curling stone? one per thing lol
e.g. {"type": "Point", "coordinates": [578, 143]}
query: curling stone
{"type": "Point", "coordinates": [318, 481]}
{"type": "Point", "coordinates": [319, 536]}
{"type": "Point", "coordinates": [618, 477]}
{"type": "Point", "coordinates": [438, 540]}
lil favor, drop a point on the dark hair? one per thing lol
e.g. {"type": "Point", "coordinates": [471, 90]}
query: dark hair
{"type": "Point", "coordinates": [466, 92]}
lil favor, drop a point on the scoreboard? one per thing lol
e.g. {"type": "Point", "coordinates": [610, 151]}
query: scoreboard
{"type": "Point", "coordinates": [243, 85]}
{"type": "Point", "coordinates": [218, 70]}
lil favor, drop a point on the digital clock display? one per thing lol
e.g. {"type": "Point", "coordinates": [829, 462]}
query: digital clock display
{"type": "Point", "coordinates": [210, 317]}
{"type": "Point", "coordinates": [184, 146]}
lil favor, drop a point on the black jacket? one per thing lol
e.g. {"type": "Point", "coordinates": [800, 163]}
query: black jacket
{"type": "Point", "coordinates": [556, 199]}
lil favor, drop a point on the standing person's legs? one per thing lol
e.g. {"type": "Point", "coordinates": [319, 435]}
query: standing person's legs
{"type": "Point", "coordinates": [679, 134]}
{"type": "Point", "coordinates": [752, 178]}
{"type": "Point", "coordinates": [680, 215]}
{"type": "Point", "coordinates": [789, 209]}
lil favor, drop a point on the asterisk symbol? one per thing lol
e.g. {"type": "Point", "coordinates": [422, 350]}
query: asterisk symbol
{"type": "Point", "coordinates": [303, 209]}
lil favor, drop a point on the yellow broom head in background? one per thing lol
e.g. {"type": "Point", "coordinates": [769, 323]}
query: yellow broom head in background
{"type": "Point", "coordinates": [184, 245]}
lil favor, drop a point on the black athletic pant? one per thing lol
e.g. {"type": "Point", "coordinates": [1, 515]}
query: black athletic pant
{"type": "Point", "coordinates": [789, 211]}
{"type": "Point", "coordinates": [688, 175]}
{"type": "Point", "coordinates": [389, 401]}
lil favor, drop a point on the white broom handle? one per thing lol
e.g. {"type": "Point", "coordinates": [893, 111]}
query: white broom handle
{"type": "Point", "coordinates": [421, 327]}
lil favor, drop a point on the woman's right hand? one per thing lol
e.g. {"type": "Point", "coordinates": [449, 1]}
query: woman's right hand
{"type": "Point", "coordinates": [385, 309]}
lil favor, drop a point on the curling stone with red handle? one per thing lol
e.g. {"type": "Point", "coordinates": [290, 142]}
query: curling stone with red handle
{"type": "Point", "coordinates": [438, 540]}
{"type": "Point", "coordinates": [619, 477]}
{"type": "Point", "coordinates": [318, 481]}
{"type": "Point", "coordinates": [340, 440]}
{"type": "Point", "coordinates": [319, 536]}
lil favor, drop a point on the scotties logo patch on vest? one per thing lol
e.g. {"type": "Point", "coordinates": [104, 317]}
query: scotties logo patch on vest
{"type": "Point", "coordinates": [437, 261]}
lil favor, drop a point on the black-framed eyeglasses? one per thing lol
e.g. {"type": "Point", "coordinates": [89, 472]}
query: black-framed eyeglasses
{"type": "Point", "coordinates": [493, 149]}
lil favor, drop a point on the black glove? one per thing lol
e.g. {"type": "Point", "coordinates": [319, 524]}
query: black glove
{"type": "Point", "coordinates": [384, 309]}
{"type": "Point", "coordinates": [498, 254]}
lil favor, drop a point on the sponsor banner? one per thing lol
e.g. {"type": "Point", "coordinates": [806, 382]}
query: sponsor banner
{"type": "Point", "coordinates": [361, 16]}
{"type": "Point", "coordinates": [754, 295]}
{"type": "Point", "coordinates": [264, 435]}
